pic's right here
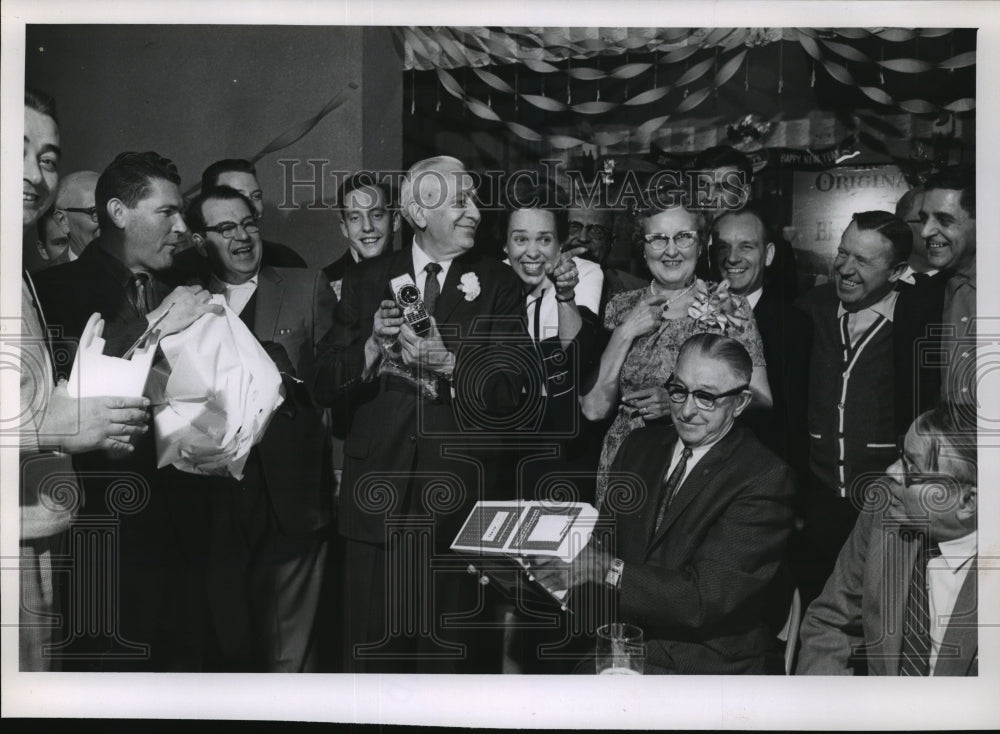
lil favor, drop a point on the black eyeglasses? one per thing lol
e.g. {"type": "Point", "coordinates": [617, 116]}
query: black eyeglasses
{"type": "Point", "coordinates": [912, 474]}
{"type": "Point", "coordinates": [702, 398]}
{"type": "Point", "coordinates": [593, 231]}
{"type": "Point", "coordinates": [90, 211]}
{"type": "Point", "coordinates": [228, 229]}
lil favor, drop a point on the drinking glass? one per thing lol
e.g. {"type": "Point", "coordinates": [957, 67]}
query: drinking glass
{"type": "Point", "coordinates": [620, 649]}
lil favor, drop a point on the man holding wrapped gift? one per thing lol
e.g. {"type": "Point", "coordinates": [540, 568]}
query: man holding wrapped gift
{"type": "Point", "coordinates": [268, 545]}
{"type": "Point", "coordinates": [125, 276]}
{"type": "Point", "coordinates": [408, 392]}
{"type": "Point", "coordinates": [696, 548]}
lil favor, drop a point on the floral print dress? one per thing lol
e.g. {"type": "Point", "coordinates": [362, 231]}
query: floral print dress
{"type": "Point", "coordinates": [652, 357]}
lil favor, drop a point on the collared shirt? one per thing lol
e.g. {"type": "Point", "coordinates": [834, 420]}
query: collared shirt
{"type": "Point", "coordinates": [907, 276]}
{"type": "Point", "coordinates": [959, 384]}
{"type": "Point", "coordinates": [543, 311]}
{"type": "Point", "coordinates": [697, 454]}
{"type": "Point", "coordinates": [420, 260]}
{"type": "Point", "coordinates": [157, 290]}
{"type": "Point", "coordinates": [945, 576]}
{"type": "Point", "coordinates": [237, 295]}
{"type": "Point", "coordinates": [858, 322]}
{"type": "Point", "coordinates": [754, 297]}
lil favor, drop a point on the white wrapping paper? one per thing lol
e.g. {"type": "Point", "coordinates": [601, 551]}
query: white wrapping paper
{"type": "Point", "coordinates": [213, 395]}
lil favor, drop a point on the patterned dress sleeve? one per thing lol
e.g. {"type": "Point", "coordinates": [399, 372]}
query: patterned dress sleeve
{"type": "Point", "coordinates": [619, 305]}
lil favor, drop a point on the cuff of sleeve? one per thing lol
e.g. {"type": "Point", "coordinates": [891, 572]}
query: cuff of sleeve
{"type": "Point", "coordinates": [613, 578]}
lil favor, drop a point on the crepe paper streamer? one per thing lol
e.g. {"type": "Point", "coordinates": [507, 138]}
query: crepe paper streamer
{"type": "Point", "coordinates": [961, 105]}
{"type": "Point", "coordinates": [729, 68]}
{"type": "Point", "coordinates": [450, 84]}
{"type": "Point", "coordinates": [565, 141]}
{"type": "Point", "coordinates": [848, 52]}
{"type": "Point", "coordinates": [689, 103]}
{"type": "Point", "coordinates": [839, 73]}
{"type": "Point", "coordinates": [481, 110]}
{"type": "Point", "coordinates": [650, 95]}
{"type": "Point", "coordinates": [546, 103]}
{"type": "Point", "coordinates": [957, 62]}
{"type": "Point", "coordinates": [695, 72]}
{"type": "Point", "coordinates": [585, 74]}
{"type": "Point", "coordinates": [906, 66]}
{"type": "Point", "coordinates": [493, 81]}
{"type": "Point", "coordinates": [896, 34]}
{"type": "Point", "coordinates": [629, 71]}
{"type": "Point", "coordinates": [524, 132]}
{"type": "Point", "coordinates": [296, 132]}
{"type": "Point", "coordinates": [810, 46]}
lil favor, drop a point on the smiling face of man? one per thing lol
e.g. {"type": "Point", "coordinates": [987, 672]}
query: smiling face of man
{"type": "Point", "coordinates": [444, 210]}
{"type": "Point", "coordinates": [741, 252]}
{"type": "Point", "coordinates": [366, 222]}
{"type": "Point", "coordinates": [948, 230]}
{"type": "Point", "coordinates": [863, 271]}
{"type": "Point", "coordinates": [41, 164]}
{"type": "Point", "coordinates": [698, 426]}
{"type": "Point", "coordinates": [154, 229]}
{"type": "Point", "coordinates": [235, 259]}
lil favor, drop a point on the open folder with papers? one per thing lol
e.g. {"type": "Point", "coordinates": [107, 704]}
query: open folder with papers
{"type": "Point", "coordinates": [502, 533]}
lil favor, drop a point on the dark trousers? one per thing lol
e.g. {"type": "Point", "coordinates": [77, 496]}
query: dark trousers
{"type": "Point", "coordinates": [264, 585]}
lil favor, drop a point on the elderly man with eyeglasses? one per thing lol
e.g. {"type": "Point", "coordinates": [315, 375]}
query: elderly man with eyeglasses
{"type": "Point", "coordinates": [697, 544]}
{"type": "Point", "coordinates": [75, 211]}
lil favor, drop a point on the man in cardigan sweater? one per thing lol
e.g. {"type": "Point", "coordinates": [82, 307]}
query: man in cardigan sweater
{"type": "Point", "coordinates": [862, 389]}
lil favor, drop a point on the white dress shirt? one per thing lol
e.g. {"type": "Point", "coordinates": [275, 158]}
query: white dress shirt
{"type": "Point", "coordinates": [858, 322]}
{"type": "Point", "coordinates": [587, 294]}
{"type": "Point", "coordinates": [237, 296]}
{"type": "Point", "coordinates": [945, 576]}
{"type": "Point", "coordinates": [752, 298]}
{"type": "Point", "coordinates": [420, 261]}
{"type": "Point", "coordinates": [697, 454]}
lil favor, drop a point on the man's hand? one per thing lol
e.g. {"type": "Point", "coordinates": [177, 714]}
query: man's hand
{"type": "Point", "coordinates": [649, 403]}
{"type": "Point", "coordinates": [76, 425]}
{"type": "Point", "coordinates": [186, 304]}
{"type": "Point", "coordinates": [385, 328]}
{"type": "Point", "coordinates": [428, 352]}
{"type": "Point", "coordinates": [591, 564]}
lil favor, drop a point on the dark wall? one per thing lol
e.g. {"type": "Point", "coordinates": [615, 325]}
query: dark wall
{"type": "Point", "coordinates": [199, 93]}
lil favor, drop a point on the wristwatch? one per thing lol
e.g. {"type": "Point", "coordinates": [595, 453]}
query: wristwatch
{"type": "Point", "coordinates": [614, 575]}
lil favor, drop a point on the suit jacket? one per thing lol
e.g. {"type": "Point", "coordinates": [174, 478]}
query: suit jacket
{"type": "Point", "coordinates": [698, 587]}
{"type": "Point", "coordinates": [860, 611]}
{"type": "Point", "coordinates": [916, 372]}
{"type": "Point", "coordinates": [786, 335]}
{"type": "Point", "coordinates": [396, 442]}
{"type": "Point", "coordinates": [294, 307]}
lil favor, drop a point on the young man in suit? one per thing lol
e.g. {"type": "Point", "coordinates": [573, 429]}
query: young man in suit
{"type": "Point", "coordinates": [694, 554]}
{"type": "Point", "coordinates": [125, 276]}
{"type": "Point", "coordinates": [744, 253]}
{"type": "Point", "coordinates": [367, 220]}
{"type": "Point", "coordinates": [419, 403]}
{"type": "Point", "coordinates": [269, 545]}
{"type": "Point", "coordinates": [902, 599]}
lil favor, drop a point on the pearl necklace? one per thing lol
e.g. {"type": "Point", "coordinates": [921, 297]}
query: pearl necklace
{"type": "Point", "coordinates": [666, 304]}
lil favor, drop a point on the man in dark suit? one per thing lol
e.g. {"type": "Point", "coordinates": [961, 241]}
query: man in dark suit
{"type": "Point", "coordinates": [407, 468]}
{"type": "Point", "coordinates": [694, 554]}
{"type": "Point", "coordinates": [125, 276]}
{"type": "Point", "coordinates": [902, 599]}
{"type": "Point", "coordinates": [744, 254]}
{"type": "Point", "coordinates": [867, 379]}
{"type": "Point", "coordinates": [241, 175]}
{"type": "Point", "coordinates": [269, 546]}
{"type": "Point", "coordinates": [367, 220]}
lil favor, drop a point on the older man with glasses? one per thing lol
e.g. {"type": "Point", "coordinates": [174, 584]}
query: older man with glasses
{"type": "Point", "coordinates": [696, 550]}
{"type": "Point", "coordinates": [75, 211]}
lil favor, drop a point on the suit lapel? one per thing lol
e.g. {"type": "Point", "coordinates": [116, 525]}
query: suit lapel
{"type": "Point", "coordinates": [270, 293]}
{"type": "Point", "coordinates": [960, 646]}
{"type": "Point", "coordinates": [697, 479]}
{"type": "Point", "coordinates": [450, 296]}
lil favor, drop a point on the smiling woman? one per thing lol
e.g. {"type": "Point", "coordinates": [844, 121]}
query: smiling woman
{"type": "Point", "coordinates": [650, 324]}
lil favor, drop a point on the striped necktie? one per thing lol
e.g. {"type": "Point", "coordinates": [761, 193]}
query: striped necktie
{"type": "Point", "coordinates": [916, 650]}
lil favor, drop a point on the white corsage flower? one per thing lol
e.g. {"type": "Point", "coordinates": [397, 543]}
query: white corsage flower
{"type": "Point", "coordinates": [469, 286]}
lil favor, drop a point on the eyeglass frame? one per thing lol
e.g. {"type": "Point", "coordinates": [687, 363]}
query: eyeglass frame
{"type": "Point", "coordinates": [651, 238]}
{"type": "Point", "coordinates": [699, 395]}
{"type": "Point", "coordinates": [250, 221]}
{"type": "Point", "coordinates": [575, 228]}
{"type": "Point", "coordinates": [922, 477]}
{"type": "Point", "coordinates": [90, 211]}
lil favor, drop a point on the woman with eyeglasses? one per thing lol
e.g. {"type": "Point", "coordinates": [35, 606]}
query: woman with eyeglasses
{"type": "Point", "coordinates": [650, 324]}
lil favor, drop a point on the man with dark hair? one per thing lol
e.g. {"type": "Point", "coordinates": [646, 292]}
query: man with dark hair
{"type": "Point", "coordinates": [268, 545]}
{"type": "Point", "coordinates": [908, 209]}
{"type": "Point", "coordinates": [696, 548]}
{"type": "Point", "coordinates": [723, 176]}
{"type": "Point", "coordinates": [902, 599]}
{"type": "Point", "coordinates": [862, 388]}
{"type": "Point", "coordinates": [744, 252]}
{"type": "Point", "coordinates": [948, 215]}
{"type": "Point", "coordinates": [125, 276]}
{"type": "Point", "coordinates": [241, 175]}
{"type": "Point", "coordinates": [51, 244]}
{"type": "Point", "coordinates": [368, 221]}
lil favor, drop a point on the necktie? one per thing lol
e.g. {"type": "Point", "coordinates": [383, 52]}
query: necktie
{"type": "Point", "coordinates": [845, 337]}
{"type": "Point", "coordinates": [916, 649]}
{"type": "Point", "coordinates": [139, 293]}
{"type": "Point", "coordinates": [432, 289]}
{"type": "Point", "coordinates": [671, 486]}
